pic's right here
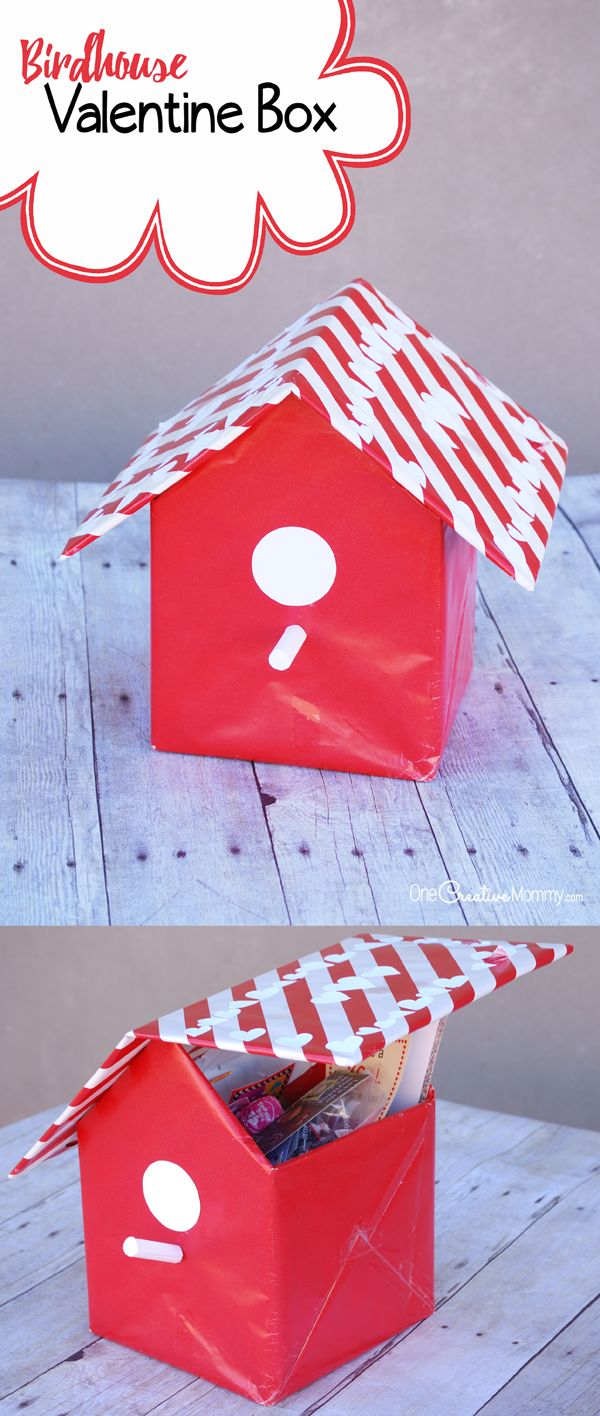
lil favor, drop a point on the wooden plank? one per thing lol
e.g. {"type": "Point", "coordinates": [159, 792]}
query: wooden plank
{"type": "Point", "coordinates": [21, 1194]}
{"type": "Point", "coordinates": [481, 1220]}
{"type": "Point", "coordinates": [349, 848]}
{"type": "Point", "coordinates": [506, 1313]}
{"type": "Point", "coordinates": [562, 1380]}
{"type": "Point", "coordinates": [477, 824]}
{"type": "Point", "coordinates": [477, 1219]}
{"type": "Point", "coordinates": [19, 1133]}
{"type": "Point", "coordinates": [484, 1212]}
{"type": "Point", "coordinates": [102, 1379]}
{"type": "Point", "coordinates": [580, 501]}
{"type": "Point", "coordinates": [43, 1327]}
{"type": "Point", "coordinates": [185, 839]}
{"type": "Point", "coordinates": [500, 780]}
{"type": "Point", "coordinates": [502, 1180]}
{"type": "Point", "coordinates": [51, 868]}
{"type": "Point", "coordinates": [461, 1130]}
{"type": "Point", "coordinates": [189, 840]}
{"type": "Point", "coordinates": [41, 1241]}
{"type": "Point", "coordinates": [554, 642]}
{"type": "Point", "coordinates": [340, 840]}
{"type": "Point", "coordinates": [469, 1136]}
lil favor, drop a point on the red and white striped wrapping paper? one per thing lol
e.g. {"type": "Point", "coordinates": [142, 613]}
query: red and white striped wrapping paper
{"type": "Point", "coordinates": [340, 1004]}
{"type": "Point", "coordinates": [444, 433]}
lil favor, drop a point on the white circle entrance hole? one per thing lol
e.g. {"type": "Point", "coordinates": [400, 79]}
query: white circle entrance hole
{"type": "Point", "coordinates": [294, 566]}
{"type": "Point", "coordinates": [171, 1195]}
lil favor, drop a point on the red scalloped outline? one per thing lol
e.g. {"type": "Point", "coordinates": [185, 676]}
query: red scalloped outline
{"type": "Point", "coordinates": [153, 235]}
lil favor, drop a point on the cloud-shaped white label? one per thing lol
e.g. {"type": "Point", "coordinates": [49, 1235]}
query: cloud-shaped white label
{"type": "Point", "coordinates": [193, 127]}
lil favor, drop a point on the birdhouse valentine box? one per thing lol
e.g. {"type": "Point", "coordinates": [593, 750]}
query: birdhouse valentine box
{"type": "Point", "coordinates": [314, 523]}
{"type": "Point", "coordinates": [208, 1248]}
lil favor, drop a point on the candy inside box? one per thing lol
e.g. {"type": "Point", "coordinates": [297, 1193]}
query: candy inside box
{"type": "Point", "coordinates": [257, 1169]}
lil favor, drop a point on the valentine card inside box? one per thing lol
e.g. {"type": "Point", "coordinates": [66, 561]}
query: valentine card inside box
{"type": "Point", "coordinates": [258, 1167]}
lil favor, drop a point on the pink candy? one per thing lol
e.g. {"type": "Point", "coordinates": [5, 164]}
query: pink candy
{"type": "Point", "coordinates": [259, 1113]}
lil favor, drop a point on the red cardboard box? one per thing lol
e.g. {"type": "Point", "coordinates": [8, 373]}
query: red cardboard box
{"type": "Point", "coordinates": [314, 559]}
{"type": "Point", "coordinates": [263, 1278]}
{"type": "Point", "coordinates": [290, 1270]}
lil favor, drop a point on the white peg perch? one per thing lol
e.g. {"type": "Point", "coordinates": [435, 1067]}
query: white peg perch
{"type": "Point", "coordinates": [286, 648]}
{"type": "Point", "coordinates": [151, 1249]}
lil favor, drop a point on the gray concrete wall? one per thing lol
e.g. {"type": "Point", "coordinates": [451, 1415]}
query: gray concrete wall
{"type": "Point", "coordinates": [486, 230]}
{"type": "Point", "coordinates": [66, 997]}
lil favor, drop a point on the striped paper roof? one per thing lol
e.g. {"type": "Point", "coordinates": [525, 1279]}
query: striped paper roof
{"type": "Point", "coordinates": [444, 433]}
{"type": "Point", "coordinates": [340, 1004]}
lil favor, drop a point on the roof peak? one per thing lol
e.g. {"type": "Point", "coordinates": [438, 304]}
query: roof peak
{"type": "Point", "coordinates": [339, 1004]}
{"type": "Point", "coordinates": [442, 431]}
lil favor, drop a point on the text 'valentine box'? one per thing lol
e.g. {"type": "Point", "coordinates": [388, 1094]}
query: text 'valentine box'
{"type": "Point", "coordinates": [193, 131]}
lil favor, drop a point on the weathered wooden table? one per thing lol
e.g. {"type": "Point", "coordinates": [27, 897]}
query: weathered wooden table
{"type": "Point", "coordinates": [97, 828]}
{"type": "Point", "coordinates": [517, 1326]}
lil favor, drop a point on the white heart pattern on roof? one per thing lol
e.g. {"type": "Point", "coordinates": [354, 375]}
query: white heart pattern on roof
{"type": "Point", "coordinates": [303, 1013]}
{"type": "Point", "coordinates": [446, 434]}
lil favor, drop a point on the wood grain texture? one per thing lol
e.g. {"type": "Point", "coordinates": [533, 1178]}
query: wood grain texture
{"type": "Point", "coordinates": [51, 868]}
{"type": "Point", "coordinates": [100, 828]}
{"type": "Point", "coordinates": [555, 651]}
{"type": "Point", "coordinates": [184, 837]}
{"type": "Point", "coordinates": [580, 503]}
{"type": "Point", "coordinates": [563, 1379]}
{"type": "Point", "coordinates": [517, 1323]}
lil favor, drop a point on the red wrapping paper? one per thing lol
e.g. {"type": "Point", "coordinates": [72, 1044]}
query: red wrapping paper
{"type": "Point", "coordinates": [388, 654]}
{"type": "Point", "coordinates": [281, 1273]}
{"type": "Point", "coordinates": [358, 426]}
{"type": "Point", "coordinates": [290, 1271]}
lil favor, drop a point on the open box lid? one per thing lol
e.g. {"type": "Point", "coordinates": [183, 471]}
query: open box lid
{"type": "Point", "coordinates": [340, 1004]}
{"type": "Point", "coordinates": [444, 433]}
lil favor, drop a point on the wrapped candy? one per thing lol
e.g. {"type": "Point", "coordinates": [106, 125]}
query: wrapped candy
{"type": "Point", "coordinates": [341, 1103]}
{"type": "Point", "coordinates": [259, 1113]}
